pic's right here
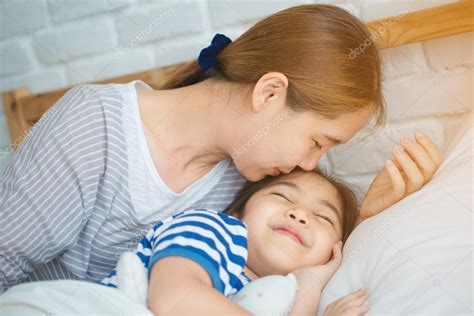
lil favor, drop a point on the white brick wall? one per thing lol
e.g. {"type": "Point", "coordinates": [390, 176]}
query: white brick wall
{"type": "Point", "coordinates": [46, 45]}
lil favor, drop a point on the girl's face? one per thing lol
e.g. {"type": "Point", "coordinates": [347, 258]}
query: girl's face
{"type": "Point", "coordinates": [292, 223]}
{"type": "Point", "coordinates": [273, 136]}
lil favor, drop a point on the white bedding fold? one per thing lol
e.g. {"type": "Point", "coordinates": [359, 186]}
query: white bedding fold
{"type": "Point", "coordinates": [67, 297]}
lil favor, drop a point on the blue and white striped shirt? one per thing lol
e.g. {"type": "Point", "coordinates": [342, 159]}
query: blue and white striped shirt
{"type": "Point", "coordinates": [214, 240]}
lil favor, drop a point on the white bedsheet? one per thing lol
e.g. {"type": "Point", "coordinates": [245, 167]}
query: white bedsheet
{"type": "Point", "coordinates": [67, 297]}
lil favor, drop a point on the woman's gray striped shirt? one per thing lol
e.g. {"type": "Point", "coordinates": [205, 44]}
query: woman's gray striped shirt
{"type": "Point", "coordinates": [66, 211]}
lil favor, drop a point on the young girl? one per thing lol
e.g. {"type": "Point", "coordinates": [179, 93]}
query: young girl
{"type": "Point", "coordinates": [289, 223]}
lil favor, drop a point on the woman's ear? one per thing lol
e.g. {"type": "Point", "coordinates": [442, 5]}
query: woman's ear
{"type": "Point", "coordinates": [270, 88]}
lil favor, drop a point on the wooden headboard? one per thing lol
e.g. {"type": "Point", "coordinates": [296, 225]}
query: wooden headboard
{"type": "Point", "coordinates": [22, 109]}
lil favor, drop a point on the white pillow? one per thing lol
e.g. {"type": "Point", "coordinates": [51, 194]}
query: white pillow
{"type": "Point", "coordinates": [416, 257]}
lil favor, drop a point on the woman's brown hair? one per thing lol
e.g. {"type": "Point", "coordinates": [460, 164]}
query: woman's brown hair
{"type": "Point", "coordinates": [348, 198]}
{"type": "Point", "coordinates": [312, 45]}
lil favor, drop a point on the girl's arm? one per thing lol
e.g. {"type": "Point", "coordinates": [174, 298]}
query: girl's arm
{"type": "Point", "coordinates": [306, 303]}
{"type": "Point", "coordinates": [180, 286]}
{"type": "Point", "coordinates": [311, 282]}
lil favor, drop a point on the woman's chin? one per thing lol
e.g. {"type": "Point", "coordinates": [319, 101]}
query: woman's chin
{"type": "Point", "coordinates": [255, 176]}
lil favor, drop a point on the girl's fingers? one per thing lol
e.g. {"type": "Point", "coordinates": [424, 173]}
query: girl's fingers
{"type": "Point", "coordinates": [420, 157]}
{"type": "Point", "coordinates": [336, 255]}
{"type": "Point", "coordinates": [355, 310]}
{"type": "Point", "coordinates": [351, 304]}
{"type": "Point", "coordinates": [398, 183]}
{"type": "Point", "coordinates": [430, 148]}
{"type": "Point", "coordinates": [412, 173]}
{"type": "Point", "coordinates": [359, 294]}
{"type": "Point", "coordinates": [356, 302]}
{"type": "Point", "coordinates": [337, 250]}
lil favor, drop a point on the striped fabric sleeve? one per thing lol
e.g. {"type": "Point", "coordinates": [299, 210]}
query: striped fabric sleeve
{"type": "Point", "coordinates": [52, 178]}
{"type": "Point", "coordinates": [143, 252]}
{"type": "Point", "coordinates": [215, 241]}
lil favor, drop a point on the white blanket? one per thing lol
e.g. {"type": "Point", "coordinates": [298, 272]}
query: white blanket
{"type": "Point", "coordinates": [270, 295]}
{"type": "Point", "coordinates": [68, 297]}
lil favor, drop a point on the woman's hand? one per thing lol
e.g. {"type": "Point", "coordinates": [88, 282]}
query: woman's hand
{"type": "Point", "coordinates": [410, 169]}
{"type": "Point", "coordinates": [349, 305]}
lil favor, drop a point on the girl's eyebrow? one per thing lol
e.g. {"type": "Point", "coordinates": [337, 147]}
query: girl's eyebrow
{"type": "Point", "coordinates": [299, 190]}
{"type": "Point", "coordinates": [287, 183]}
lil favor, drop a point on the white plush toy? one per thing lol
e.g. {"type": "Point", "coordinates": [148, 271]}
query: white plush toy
{"type": "Point", "coordinates": [271, 295]}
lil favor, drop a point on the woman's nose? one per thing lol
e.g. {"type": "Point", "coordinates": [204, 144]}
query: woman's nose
{"type": "Point", "coordinates": [299, 216]}
{"type": "Point", "coordinates": [310, 162]}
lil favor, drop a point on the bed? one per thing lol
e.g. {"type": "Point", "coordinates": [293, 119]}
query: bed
{"type": "Point", "coordinates": [416, 257]}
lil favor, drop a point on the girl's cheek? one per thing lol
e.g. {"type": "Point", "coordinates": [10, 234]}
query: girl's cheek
{"type": "Point", "coordinates": [325, 240]}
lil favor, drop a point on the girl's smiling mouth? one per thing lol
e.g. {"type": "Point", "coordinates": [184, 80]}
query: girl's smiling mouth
{"type": "Point", "coordinates": [290, 232]}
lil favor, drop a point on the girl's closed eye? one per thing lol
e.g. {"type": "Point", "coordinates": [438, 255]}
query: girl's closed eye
{"type": "Point", "coordinates": [324, 217]}
{"type": "Point", "coordinates": [315, 214]}
{"type": "Point", "coordinates": [283, 196]}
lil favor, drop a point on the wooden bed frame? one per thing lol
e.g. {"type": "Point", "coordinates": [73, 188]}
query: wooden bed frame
{"type": "Point", "coordinates": [23, 109]}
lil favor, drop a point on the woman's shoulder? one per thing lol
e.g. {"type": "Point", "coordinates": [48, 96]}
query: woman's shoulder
{"type": "Point", "coordinates": [86, 118]}
{"type": "Point", "coordinates": [99, 104]}
{"type": "Point", "coordinates": [89, 100]}
{"type": "Point", "coordinates": [100, 92]}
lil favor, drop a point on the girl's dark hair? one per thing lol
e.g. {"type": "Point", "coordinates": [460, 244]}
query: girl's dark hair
{"type": "Point", "coordinates": [349, 200]}
{"type": "Point", "coordinates": [313, 46]}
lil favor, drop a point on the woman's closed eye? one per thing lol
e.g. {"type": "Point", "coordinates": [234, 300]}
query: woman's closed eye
{"type": "Point", "coordinates": [318, 145]}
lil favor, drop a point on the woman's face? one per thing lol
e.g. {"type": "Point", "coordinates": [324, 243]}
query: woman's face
{"type": "Point", "coordinates": [294, 140]}
{"type": "Point", "coordinates": [292, 223]}
{"type": "Point", "coordinates": [273, 136]}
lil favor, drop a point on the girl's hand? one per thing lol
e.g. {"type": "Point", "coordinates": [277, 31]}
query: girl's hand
{"type": "Point", "coordinates": [409, 170]}
{"type": "Point", "coordinates": [349, 305]}
{"type": "Point", "coordinates": [316, 277]}
{"type": "Point", "coordinates": [311, 281]}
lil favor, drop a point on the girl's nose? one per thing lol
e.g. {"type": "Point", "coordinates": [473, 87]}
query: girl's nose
{"type": "Point", "coordinates": [298, 215]}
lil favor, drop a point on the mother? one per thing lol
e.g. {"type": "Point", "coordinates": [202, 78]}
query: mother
{"type": "Point", "coordinates": [109, 160]}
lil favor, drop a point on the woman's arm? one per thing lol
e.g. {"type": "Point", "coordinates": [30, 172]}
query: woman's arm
{"type": "Point", "coordinates": [180, 286]}
{"type": "Point", "coordinates": [48, 183]}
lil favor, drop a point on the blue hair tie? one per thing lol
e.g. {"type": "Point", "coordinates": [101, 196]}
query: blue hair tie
{"type": "Point", "coordinates": [208, 56]}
